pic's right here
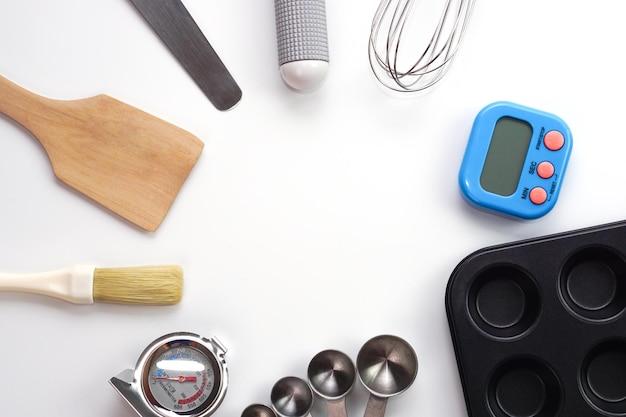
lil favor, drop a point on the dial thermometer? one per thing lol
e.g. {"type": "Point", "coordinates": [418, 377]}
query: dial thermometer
{"type": "Point", "coordinates": [179, 374]}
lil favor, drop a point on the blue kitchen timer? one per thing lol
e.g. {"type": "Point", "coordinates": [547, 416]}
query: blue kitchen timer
{"type": "Point", "coordinates": [515, 160]}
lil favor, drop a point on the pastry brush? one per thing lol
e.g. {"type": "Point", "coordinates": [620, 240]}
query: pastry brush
{"type": "Point", "coordinates": [84, 284]}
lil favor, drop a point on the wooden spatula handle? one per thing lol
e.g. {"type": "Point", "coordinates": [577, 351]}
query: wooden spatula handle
{"type": "Point", "coordinates": [49, 120]}
{"type": "Point", "coordinates": [21, 105]}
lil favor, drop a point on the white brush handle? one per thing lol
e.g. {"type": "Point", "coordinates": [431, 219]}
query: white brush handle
{"type": "Point", "coordinates": [73, 284]}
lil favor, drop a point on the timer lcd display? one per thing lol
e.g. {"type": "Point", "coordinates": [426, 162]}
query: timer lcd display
{"type": "Point", "coordinates": [505, 157]}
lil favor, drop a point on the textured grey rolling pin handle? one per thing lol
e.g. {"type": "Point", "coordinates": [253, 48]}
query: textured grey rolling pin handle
{"type": "Point", "coordinates": [301, 30]}
{"type": "Point", "coordinates": [302, 43]}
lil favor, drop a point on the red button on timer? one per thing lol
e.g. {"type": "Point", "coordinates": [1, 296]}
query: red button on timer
{"type": "Point", "coordinates": [538, 195]}
{"type": "Point", "coordinates": [545, 170]}
{"type": "Point", "coordinates": [554, 140]}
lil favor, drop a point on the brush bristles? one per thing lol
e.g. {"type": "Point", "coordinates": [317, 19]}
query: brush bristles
{"type": "Point", "coordinates": [156, 285]}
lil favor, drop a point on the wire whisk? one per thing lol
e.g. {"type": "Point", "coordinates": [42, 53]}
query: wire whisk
{"type": "Point", "coordinates": [424, 67]}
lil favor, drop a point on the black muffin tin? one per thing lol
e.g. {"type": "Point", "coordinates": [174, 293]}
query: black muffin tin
{"type": "Point", "coordinates": [539, 328]}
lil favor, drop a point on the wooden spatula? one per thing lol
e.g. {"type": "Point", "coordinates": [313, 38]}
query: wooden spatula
{"type": "Point", "coordinates": [129, 161]}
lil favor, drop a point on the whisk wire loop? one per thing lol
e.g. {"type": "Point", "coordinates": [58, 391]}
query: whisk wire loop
{"type": "Point", "coordinates": [433, 62]}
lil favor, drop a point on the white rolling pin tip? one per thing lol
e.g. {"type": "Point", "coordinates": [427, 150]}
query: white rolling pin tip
{"type": "Point", "coordinates": [304, 76]}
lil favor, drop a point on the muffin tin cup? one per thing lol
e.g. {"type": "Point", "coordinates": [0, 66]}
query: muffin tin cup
{"type": "Point", "coordinates": [504, 301]}
{"type": "Point", "coordinates": [603, 377]}
{"type": "Point", "coordinates": [539, 326]}
{"type": "Point", "coordinates": [593, 283]}
{"type": "Point", "coordinates": [524, 386]}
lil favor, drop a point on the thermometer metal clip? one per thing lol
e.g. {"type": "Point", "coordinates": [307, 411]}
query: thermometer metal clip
{"type": "Point", "coordinates": [179, 374]}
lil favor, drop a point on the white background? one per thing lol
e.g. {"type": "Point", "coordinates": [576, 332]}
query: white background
{"type": "Point", "coordinates": [310, 221]}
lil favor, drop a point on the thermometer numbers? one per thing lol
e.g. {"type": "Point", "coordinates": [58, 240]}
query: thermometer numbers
{"type": "Point", "coordinates": [181, 378]}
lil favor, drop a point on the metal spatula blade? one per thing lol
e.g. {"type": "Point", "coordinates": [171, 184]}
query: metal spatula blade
{"type": "Point", "coordinates": [178, 30]}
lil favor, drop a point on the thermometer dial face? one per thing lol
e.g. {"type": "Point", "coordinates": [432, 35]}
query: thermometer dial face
{"type": "Point", "coordinates": [182, 377]}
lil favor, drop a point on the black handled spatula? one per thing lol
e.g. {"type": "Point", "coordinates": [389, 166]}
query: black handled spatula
{"type": "Point", "coordinates": [171, 20]}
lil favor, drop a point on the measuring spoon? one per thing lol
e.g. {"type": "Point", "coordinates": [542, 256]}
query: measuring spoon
{"type": "Point", "coordinates": [387, 366]}
{"type": "Point", "coordinates": [331, 374]}
{"type": "Point", "coordinates": [292, 397]}
{"type": "Point", "coordinates": [258, 410]}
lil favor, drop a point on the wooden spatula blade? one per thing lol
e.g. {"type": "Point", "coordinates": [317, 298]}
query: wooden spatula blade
{"type": "Point", "coordinates": [135, 167]}
{"type": "Point", "coordinates": [129, 161]}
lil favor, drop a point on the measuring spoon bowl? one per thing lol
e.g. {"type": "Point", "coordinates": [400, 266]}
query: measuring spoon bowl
{"type": "Point", "coordinates": [387, 366]}
{"type": "Point", "coordinates": [331, 375]}
{"type": "Point", "coordinates": [258, 410]}
{"type": "Point", "coordinates": [292, 397]}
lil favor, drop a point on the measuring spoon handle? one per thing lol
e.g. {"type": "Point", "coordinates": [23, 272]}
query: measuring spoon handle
{"type": "Point", "coordinates": [375, 406]}
{"type": "Point", "coordinates": [337, 408]}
